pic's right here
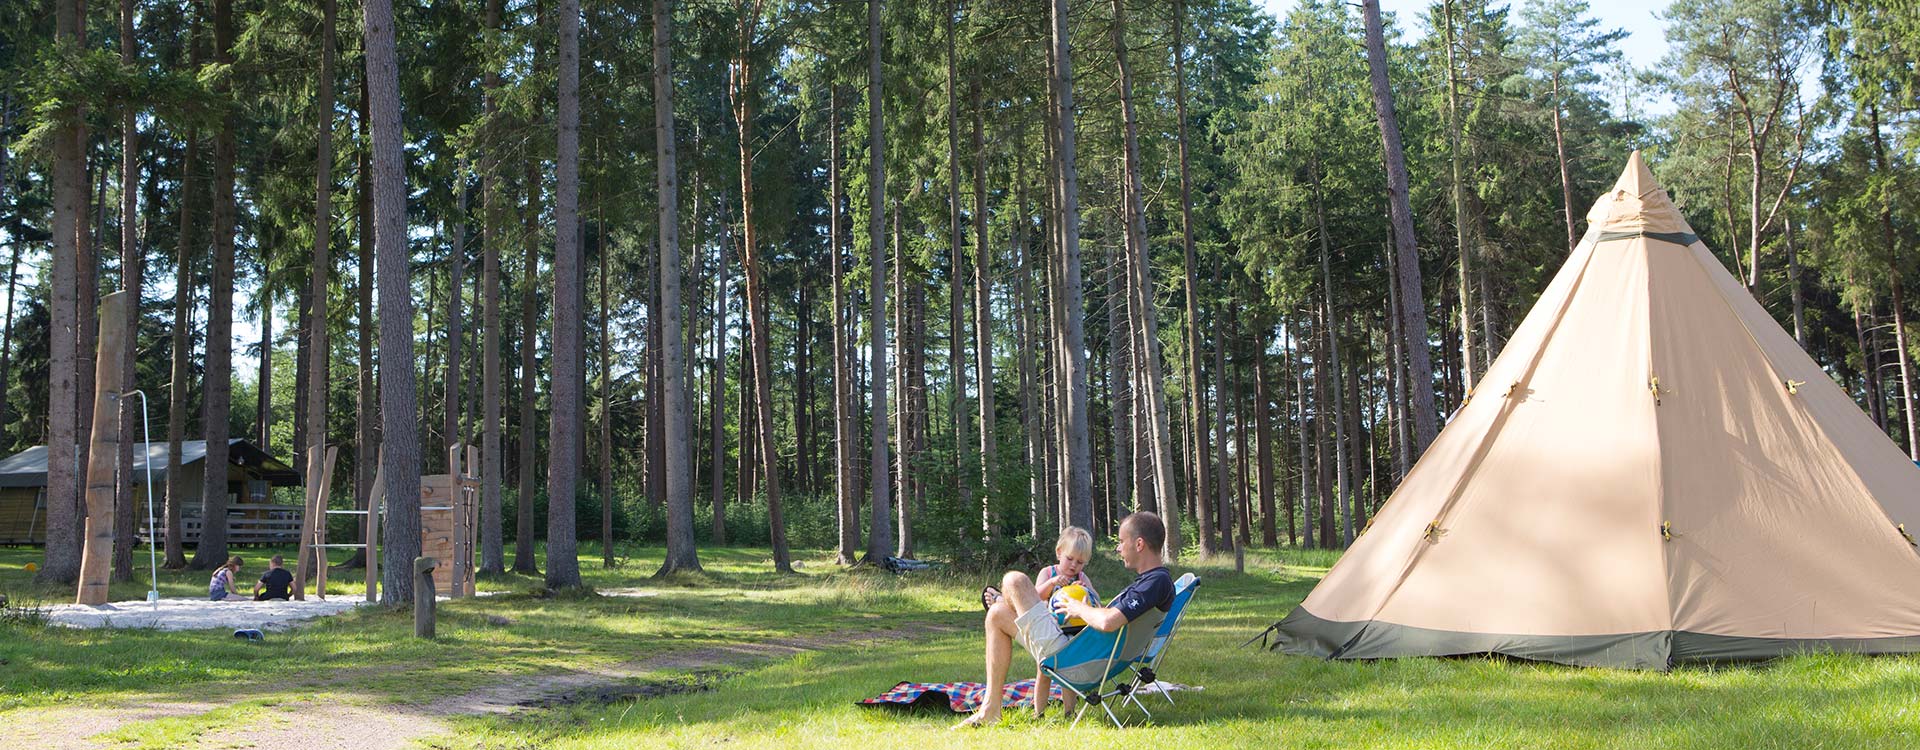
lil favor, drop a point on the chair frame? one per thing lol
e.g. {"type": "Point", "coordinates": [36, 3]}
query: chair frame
{"type": "Point", "coordinates": [1144, 668]}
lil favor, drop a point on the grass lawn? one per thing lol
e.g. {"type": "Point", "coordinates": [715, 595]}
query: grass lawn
{"type": "Point", "coordinates": [1252, 698]}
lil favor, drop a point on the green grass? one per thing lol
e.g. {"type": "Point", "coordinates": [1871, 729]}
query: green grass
{"type": "Point", "coordinates": [1253, 698]}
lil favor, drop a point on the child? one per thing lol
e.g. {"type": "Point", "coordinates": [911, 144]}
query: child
{"type": "Point", "coordinates": [1071, 553]}
{"type": "Point", "coordinates": [220, 588]}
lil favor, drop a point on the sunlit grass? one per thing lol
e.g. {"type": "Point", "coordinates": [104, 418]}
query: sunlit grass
{"type": "Point", "coordinates": [1252, 697]}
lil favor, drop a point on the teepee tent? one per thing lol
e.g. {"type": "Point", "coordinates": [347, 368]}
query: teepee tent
{"type": "Point", "coordinates": [1651, 473]}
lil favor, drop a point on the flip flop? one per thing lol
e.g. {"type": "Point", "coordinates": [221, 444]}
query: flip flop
{"type": "Point", "coordinates": [988, 597]}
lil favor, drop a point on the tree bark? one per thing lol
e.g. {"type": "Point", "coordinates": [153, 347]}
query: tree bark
{"type": "Point", "coordinates": [1407, 262]}
{"type": "Point", "coordinates": [1079, 482]}
{"type": "Point", "coordinates": [183, 285]}
{"type": "Point", "coordinates": [681, 555]}
{"type": "Point", "coordinates": [456, 273]}
{"type": "Point", "coordinates": [956, 299]}
{"type": "Point", "coordinates": [606, 402]}
{"type": "Point", "coordinates": [564, 425]}
{"type": "Point", "coordinates": [1459, 202]}
{"type": "Point", "coordinates": [132, 269]}
{"type": "Point", "coordinates": [1566, 176]}
{"type": "Point", "coordinates": [846, 503]}
{"type": "Point", "coordinates": [983, 321]}
{"type": "Point", "coordinates": [399, 403]}
{"type": "Point", "coordinates": [492, 552]}
{"type": "Point", "coordinates": [757, 301]}
{"type": "Point", "coordinates": [367, 415]}
{"type": "Point", "coordinates": [1146, 332]}
{"type": "Point", "coordinates": [212, 550]}
{"type": "Point", "coordinates": [719, 393]}
{"type": "Point", "coordinates": [1263, 440]}
{"type": "Point", "coordinates": [880, 535]}
{"type": "Point", "coordinates": [529, 427]}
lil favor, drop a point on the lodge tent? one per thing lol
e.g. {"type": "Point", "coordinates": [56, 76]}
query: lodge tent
{"type": "Point", "coordinates": [1652, 472]}
{"type": "Point", "coordinates": [251, 474]}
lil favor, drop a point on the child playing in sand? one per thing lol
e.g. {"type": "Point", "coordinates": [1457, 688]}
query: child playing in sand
{"type": "Point", "coordinates": [220, 588]}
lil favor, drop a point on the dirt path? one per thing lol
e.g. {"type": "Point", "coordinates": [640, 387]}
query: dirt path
{"type": "Point", "coordinates": [312, 725]}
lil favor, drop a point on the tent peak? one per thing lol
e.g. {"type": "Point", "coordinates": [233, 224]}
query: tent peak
{"type": "Point", "coordinates": [1636, 179]}
{"type": "Point", "coordinates": [1637, 204]}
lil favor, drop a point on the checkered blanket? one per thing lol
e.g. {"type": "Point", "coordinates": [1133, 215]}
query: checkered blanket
{"type": "Point", "coordinates": [962, 697]}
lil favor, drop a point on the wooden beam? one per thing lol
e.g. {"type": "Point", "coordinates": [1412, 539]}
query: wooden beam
{"type": "Point", "coordinates": [103, 456]}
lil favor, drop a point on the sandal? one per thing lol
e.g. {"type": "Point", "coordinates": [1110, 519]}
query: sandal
{"type": "Point", "coordinates": [988, 597]}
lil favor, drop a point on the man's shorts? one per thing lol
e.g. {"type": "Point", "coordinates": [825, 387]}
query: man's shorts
{"type": "Point", "coordinates": [1039, 632]}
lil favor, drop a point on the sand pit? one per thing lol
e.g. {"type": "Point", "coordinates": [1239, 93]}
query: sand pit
{"type": "Point", "coordinates": [198, 614]}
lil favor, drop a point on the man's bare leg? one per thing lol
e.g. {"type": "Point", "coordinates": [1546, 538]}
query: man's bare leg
{"type": "Point", "coordinates": [1017, 596]}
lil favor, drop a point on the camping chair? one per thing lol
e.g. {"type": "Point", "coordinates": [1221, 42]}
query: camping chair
{"type": "Point", "coordinates": [1094, 657]}
{"type": "Point", "coordinates": [1144, 667]}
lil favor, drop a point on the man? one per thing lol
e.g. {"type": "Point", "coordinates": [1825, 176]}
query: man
{"type": "Point", "coordinates": [276, 583]}
{"type": "Point", "coordinates": [1019, 616]}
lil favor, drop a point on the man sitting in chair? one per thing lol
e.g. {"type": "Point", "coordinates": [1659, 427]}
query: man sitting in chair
{"type": "Point", "coordinates": [1020, 616]}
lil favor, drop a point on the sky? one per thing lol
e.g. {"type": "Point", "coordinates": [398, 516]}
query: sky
{"type": "Point", "coordinates": [1645, 44]}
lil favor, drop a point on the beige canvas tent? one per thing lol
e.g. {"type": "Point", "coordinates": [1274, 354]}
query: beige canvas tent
{"type": "Point", "coordinates": [1651, 473]}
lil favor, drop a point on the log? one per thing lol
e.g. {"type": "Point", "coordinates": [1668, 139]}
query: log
{"type": "Point", "coordinates": [96, 556]}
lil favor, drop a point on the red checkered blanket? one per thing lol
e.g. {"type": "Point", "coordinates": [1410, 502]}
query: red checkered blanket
{"type": "Point", "coordinates": [962, 697]}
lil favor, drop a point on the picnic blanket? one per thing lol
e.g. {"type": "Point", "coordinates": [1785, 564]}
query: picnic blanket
{"type": "Point", "coordinates": [961, 697]}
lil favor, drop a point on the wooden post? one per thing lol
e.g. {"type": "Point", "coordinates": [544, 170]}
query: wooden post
{"type": "Point", "coordinates": [313, 527]}
{"type": "Point", "coordinates": [473, 519]}
{"type": "Point", "coordinates": [374, 499]}
{"type": "Point", "coordinates": [303, 556]}
{"type": "Point", "coordinates": [96, 557]}
{"type": "Point", "coordinates": [423, 597]}
{"type": "Point", "coordinates": [320, 522]}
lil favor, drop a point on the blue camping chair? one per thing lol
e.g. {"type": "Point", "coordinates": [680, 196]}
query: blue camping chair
{"type": "Point", "coordinates": [1093, 658]}
{"type": "Point", "coordinates": [1145, 666]}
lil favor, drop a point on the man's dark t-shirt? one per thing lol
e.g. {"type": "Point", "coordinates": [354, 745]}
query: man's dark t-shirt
{"type": "Point", "coordinates": [1152, 590]}
{"type": "Point", "coordinates": [279, 584]}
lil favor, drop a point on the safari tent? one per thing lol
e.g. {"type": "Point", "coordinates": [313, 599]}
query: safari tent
{"type": "Point", "coordinates": [1651, 473]}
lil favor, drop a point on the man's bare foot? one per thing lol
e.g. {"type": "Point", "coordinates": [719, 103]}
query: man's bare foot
{"type": "Point", "coordinates": [977, 720]}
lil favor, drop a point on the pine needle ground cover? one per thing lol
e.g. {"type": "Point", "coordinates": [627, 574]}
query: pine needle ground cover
{"type": "Point", "coordinates": [1252, 698]}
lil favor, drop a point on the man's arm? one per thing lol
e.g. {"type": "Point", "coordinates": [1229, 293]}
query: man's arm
{"type": "Point", "coordinates": [1104, 619]}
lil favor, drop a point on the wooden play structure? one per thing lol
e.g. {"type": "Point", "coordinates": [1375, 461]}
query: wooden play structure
{"type": "Point", "coordinates": [449, 521]}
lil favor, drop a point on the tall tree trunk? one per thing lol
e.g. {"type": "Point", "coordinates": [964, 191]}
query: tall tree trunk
{"type": "Point", "coordinates": [880, 537]}
{"type": "Point", "coordinates": [956, 300]}
{"type": "Point", "coordinates": [1870, 375]}
{"type": "Point", "coordinates": [606, 402]}
{"type": "Point", "coordinates": [13, 266]}
{"type": "Point", "coordinates": [1325, 443]}
{"type": "Point", "coordinates": [263, 393]}
{"type": "Point", "coordinates": [1459, 199]}
{"type": "Point", "coordinates": [983, 321]}
{"type": "Point", "coordinates": [1406, 260]}
{"type": "Point", "coordinates": [183, 286]}
{"type": "Point", "coordinates": [529, 428]}
{"type": "Point", "coordinates": [757, 297]}
{"type": "Point", "coordinates": [456, 274]}
{"type": "Point", "coordinates": [132, 268]}
{"type": "Point", "coordinates": [1079, 453]}
{"type": "Point", "coordinates": [1263, 441]}
{"type": "Point", "coordinates": [1305, 431]}
{"type": "Point", "coordinates": [492, 552]}
{"type": "Point", "coordinates": [681, 555]}
{"type": "Point", "coordinates": [366, 407]}
{"type": "Point", "coordinates": [718, 396]}
{"type": "Point", "coordinates": [1243, 515]}
{"type": "Point", "coordinates": [1566, 175]}
{"type": "Point", "coordinates": [563, 426]}
{"type": "Point", "coordinates": [1793, 287]}
{"type": "Point", "coordinates": [847, 503]}
{"type": "Point", "coordinates": [212, 550]}
{"type": "Point", "coordinates": [1023, 322]}
{"type": "Point", "coordinates": [399, 403]}
{"type": "Point", "coordinates": [1146, 332]}
{"type": "Point", "coordinates": [1222, 398]}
